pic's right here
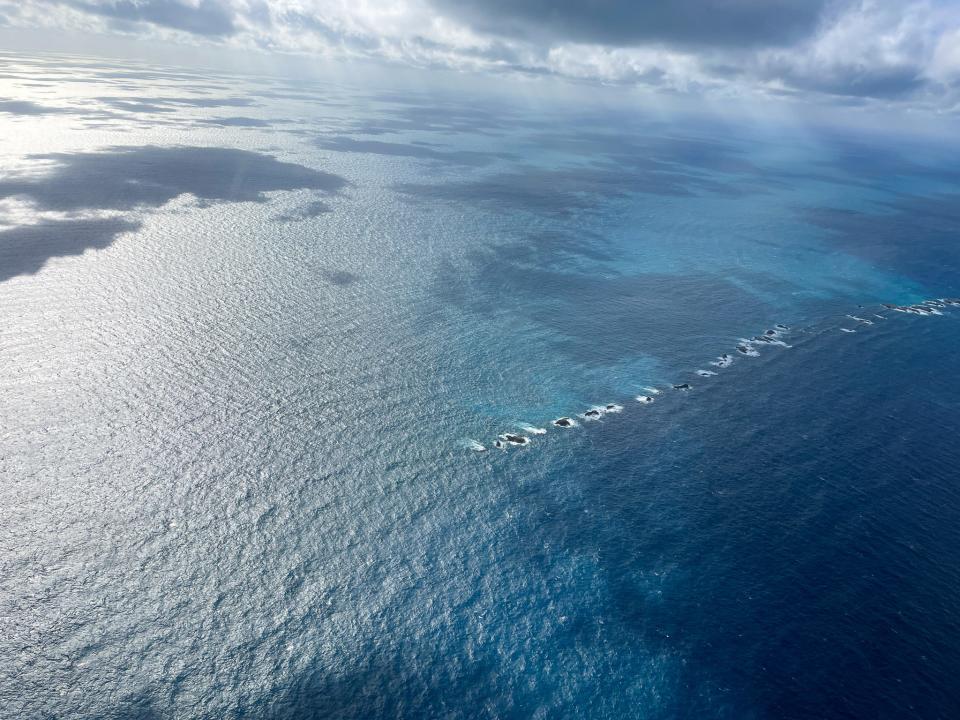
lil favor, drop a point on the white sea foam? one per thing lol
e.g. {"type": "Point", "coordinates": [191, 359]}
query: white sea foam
{"type": "Point", "coordinates": [847, 330]}
{"type": "Point", "coordinates": [645, 399]}
{"type": "Point", "coordinates": [613, 408]}
{"type": "Point", "coordinates": [705, 373]}
{"type": "Point", "coordinates": [652, 390]}
{"type": "Point", "coordinates": [533, 430]}
{"type": "Point", "coordinates": [475, 446]}
{"type": "Point", "coordinates": [723, 361]}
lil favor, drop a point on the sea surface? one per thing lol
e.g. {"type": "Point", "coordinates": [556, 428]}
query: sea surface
{"type": "Point", "coordinates": [255, 330]}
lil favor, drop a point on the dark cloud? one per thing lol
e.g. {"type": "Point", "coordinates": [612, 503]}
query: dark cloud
{"type": "Point", "coordinates": [26, 249]}
{"type": "Point", "coordinates": [124, 178]}
{"type": "Point", "coordinates": [208, 17]}
{"type": "Point", "coordinates": [633, 22]}
{"type": "Point", "coordinates": [859, 81]}
{"type": "Point", "coordinates": [421, 151]}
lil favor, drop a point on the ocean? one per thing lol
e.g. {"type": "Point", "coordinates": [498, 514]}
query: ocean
{"type": "Point", "coordinates": [260, 337]}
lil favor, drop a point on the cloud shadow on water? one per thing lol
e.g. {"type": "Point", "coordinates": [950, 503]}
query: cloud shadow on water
{"type": "Point", "coordinates": [26, 107]}
{"type": "Point", "coordinates": [310, 210]}
{"type": "Point", "coordinates": [123, 178]}
{"type": "Point", "coordinates": [25, 250]}
{"type": "Point", "coordinates": [236, 122]}
{"type": "Point", "coordinates": [913, 236]}
{"type": "Point", "coordinates": [558, 192]}
{"type": "Point", "coordinates": [340, 277]}
{"type": "Point", "coordinates": [130, 178]}
{"type": "Point", "coordinates": [420, 151]}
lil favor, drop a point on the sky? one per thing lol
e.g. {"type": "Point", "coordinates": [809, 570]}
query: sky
{"type": "Point", "coordinates": [875, 53]}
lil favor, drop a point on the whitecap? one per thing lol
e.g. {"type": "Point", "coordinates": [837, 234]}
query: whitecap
{"type": "Point", "coordinates": [475, 446]}
{"type": "Point", "coordinates": [847, 330]}
{"type": "Point", "coordinates": [705, 373]}
{"type": "Point", "coordinates": [533, 430]}
{"type": "Point", "coordinates": [723, 361]}
{"type": "Point", "coordinates": [652, 390]}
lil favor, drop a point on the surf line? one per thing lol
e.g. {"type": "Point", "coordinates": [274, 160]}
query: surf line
{"type": "Point", "coordinates": [746, 347]}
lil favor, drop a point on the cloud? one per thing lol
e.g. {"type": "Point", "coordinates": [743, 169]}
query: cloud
{"type": "Point", "coordinates": [634, 22]}
{"type": "Point", "coordinates": [830, 51]}
{"type": "Point", "coordinates": [876, 49]}
{"type": "Point", "coordinates": [206, 17]}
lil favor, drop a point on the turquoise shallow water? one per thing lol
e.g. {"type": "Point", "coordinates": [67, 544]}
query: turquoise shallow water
{"type": "Point", "coordinates": [251, 327]}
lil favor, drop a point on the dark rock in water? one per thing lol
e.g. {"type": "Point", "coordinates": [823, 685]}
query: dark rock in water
{"type": "Point", "coordinates": [516, 439]}
{"type": "Point", "coordinates": [781, 326]}
{"type": "Point", "coordinates": [682, 386]}
{"type": "Point", "coordinates": [763, 338]}
{"type": "Point", "coordinates": [743, 349]}
{"type": "Point", "coordinates": [498, 445]}
{"type": "Point", "coordinates": [770, 332]}
{"type": "Point", "coordinates": [592, 413]}
{"type": "Point", "coordinates": [563, 422]}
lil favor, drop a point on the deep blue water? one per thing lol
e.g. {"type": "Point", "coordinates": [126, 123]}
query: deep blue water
{"type": "Point", "coordinates": [251, 328]}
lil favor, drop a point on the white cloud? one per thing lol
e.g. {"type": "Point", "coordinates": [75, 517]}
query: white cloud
{"type": "Point", "coordinates": [876, 50]}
